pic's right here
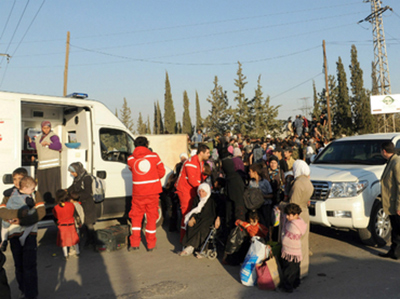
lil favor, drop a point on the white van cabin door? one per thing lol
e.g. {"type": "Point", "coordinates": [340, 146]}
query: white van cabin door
{"type": "Point", "coordinates": [77, 129]}
{"type": "Point", "coordinates": [10, 140]}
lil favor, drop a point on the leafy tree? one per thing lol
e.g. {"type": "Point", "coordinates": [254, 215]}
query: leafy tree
{"type": "Point", "coordinates": [148, 127]}
{"type": "Point", "coordinates": [323, 101]}
{"type": "Point", "coordinates": [218, 119]}
{"type": "Point", "coordinates": [186, 121]}
{"type": "Point", "coordinates": [199, 120]}
{"type": "Point", "coordinates": [271, 123]}
{"type": "Point", "coordinates": [242, 113]}
{"type": "Point", "coordinates": [141, 126]}
{"type": "Point", "coordinates": [317, 110]}
{"type": "Point", "coordinates": [342, 122]}
{"type": "Point", "coordinates": [361, 108]}
{"type": "Point", "coordinates": [169, 110]}
{"type": "Point", "coordinates": [126, 117]}
{"type": "Point", "coordinates": [178, 127]}
{"type": "Point", "coordinates": [258, 111]}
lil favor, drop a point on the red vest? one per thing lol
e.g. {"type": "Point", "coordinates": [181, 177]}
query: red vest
{"type": "Point", "coordinates": [147, 170]}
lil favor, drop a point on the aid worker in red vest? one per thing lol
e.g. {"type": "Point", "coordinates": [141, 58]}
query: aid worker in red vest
{"type": "Point", "coordinates": [189, 179]}
{"type": "Point", "coordinates": [147, 170]}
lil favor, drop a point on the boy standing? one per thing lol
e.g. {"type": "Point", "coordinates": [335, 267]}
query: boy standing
{"type": "Point", "coordinates": [294, 229]}
{"type": "Point", "coordinates": [17, 175]}
{"type": "Point", "coordinates": [25, 255]}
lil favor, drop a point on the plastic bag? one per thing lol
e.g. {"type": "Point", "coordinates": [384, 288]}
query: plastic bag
{"type": "Point", "coordinates": [235, 240]}
{"type": "Point", "coordinates": [258, 251]}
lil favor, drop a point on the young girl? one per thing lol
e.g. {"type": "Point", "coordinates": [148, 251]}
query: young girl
{"type": "Point", "coordinates": [254, 228]}
{"type": "Point", "coordinates": [294, 229]}
{"type": "Point", "coordinates": [64, 214]}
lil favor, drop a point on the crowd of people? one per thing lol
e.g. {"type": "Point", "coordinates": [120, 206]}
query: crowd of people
{"type": "Point", "coordinates": [209, 189]}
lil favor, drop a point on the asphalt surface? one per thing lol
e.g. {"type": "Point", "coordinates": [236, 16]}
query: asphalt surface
{"type": "Point", "coordinates": [340, 267]}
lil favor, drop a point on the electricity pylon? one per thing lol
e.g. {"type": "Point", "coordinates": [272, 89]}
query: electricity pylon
{"type": "Point", "coordinates": [381, 64]}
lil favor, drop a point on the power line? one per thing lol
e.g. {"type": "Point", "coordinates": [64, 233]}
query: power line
{"type": "Point", "coordinates": [202, 23]}
{"type": "Point", "coordinates": [33, 20]}
{"type": "Point", "coordinates": [8, 19]}
{"type": "Point", "coordinates": [16, 28]}
{"type": "Point", "coordinates": [278, 95]}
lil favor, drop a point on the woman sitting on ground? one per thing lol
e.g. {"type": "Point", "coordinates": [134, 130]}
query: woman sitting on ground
{"type": "Point", "coordinates": [199, 220]}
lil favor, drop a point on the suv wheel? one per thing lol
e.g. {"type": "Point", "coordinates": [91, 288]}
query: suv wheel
{"type": "Point", "coordinates": [378, 231]}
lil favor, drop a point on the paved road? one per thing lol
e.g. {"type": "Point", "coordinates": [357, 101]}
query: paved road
{"type": "Point", "coordinates": [340, 268]}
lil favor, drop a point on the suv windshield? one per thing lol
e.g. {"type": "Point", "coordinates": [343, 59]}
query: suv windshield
{"type": "Point", "coordinates": [366, 152]}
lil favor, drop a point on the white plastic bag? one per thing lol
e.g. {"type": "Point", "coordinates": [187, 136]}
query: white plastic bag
{"type": "Point", "coordinates": [257, 252]}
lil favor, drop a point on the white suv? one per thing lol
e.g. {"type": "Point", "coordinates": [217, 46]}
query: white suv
{"type": "Point", "coordinates": [347, 189]}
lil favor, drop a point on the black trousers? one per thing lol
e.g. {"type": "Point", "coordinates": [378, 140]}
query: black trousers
{"type": "Point", "coordinates": [395, 223]}
{"type": "Point", "coordinates": [25, 261]}
{"type": "Point", "coordinates": [290, 274]}
{"type": "Point", "coordinates": [4, 287]}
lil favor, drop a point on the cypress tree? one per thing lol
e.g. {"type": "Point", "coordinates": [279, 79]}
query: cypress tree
{"type": "Point", "coordinates": [116, 112]}
{"type": "Point", "coordinates": [241, 116]}
{"type": "Point", "coordinates": [126, 117]}
{"type": "Point", "coordinates": [342, 122]}
{"type": "Point", "coordinates": [316, 110]}
{"type": "Point", "coordinates": [141, 126]}
{"type": "Point", "coordinates": [186, 121]}
{"type": "Point", "coordinates": [156, 125]}
{"type": "Point", "coordinates": [169, 111]}
{"type": "Point", "coordinates": [199, 120]}
{"type": "Point", "coordinates": [148, 128]}
{"type": "Point", "coordinates": [159, 119]}
{"type": "Point", "coordinates": [218, 119]}
{"type": "Point", "coordinates": [361, 108]}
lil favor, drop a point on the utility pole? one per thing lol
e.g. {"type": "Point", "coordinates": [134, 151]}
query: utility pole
{"type": "Point", "coordinates": [327, 91]}
{"type": "Point", "coordinates": [66, 66]}
{"type": "Point", "coordinates": [381, 64]}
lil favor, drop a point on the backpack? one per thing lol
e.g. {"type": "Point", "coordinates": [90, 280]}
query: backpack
{"type": "Point", "coordinates": [98, 189]}
{"type": "Point", "coordinates": [253, 198]}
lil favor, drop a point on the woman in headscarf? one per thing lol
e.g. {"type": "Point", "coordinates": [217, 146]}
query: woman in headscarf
{"type": "Point", "coordinates": [82, 187]}
{"type": "Point", "coordinates": [48, 174]}
{"type": "Point", "coordinates": [199, 219]}
{"type": "Point", "coordinates": [300, 194]}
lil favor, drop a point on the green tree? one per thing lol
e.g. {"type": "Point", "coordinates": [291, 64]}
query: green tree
{"type": "Point", "coordinates": [126, 116]}
{"type": "Point", "coordinates": [141, 126]}
{"type": "Point", "coordinates": [148, 127]}
{"type": "Point", "coordinates": [186, 121]}
{"type": "Point", "coordinates": [199, 120]}
{"type": "Point", "coordinates": [361, 108]}
{"type": "Point", "coordinates": [169, 110]}
{"type": "Point", "coordinates": [178, 128]}
{"type": "Point", "coordinates": [156, 123]}
{"type": "Point", "coordinates": [218, 119]}
{"type": "Point", "coordinates": [258, 111]}
{"type": "Point", "coordinates": [316, 110]}
{"type": "Point", "coordinates": [323, 102]}
{"type": "Point", "coordinates": [242, 114]}
{"type": "Point", "coordinates": [342, 122]}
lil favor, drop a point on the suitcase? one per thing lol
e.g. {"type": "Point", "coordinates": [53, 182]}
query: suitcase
{"type": "Point", "coordinates": [112, 238]}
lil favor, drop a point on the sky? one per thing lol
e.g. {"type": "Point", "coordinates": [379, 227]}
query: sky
{"type": "Point", "coordinates": [123, 49]}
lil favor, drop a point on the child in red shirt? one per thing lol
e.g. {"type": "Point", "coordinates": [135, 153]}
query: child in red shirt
{"type": "Point", "coordinates": [64, 214]}
{"type": "Point", "coordinates": [254, 228]}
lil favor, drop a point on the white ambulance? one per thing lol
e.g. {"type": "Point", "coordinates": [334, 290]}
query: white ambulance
{"type": "Point", "coordinates": [105, 143]}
